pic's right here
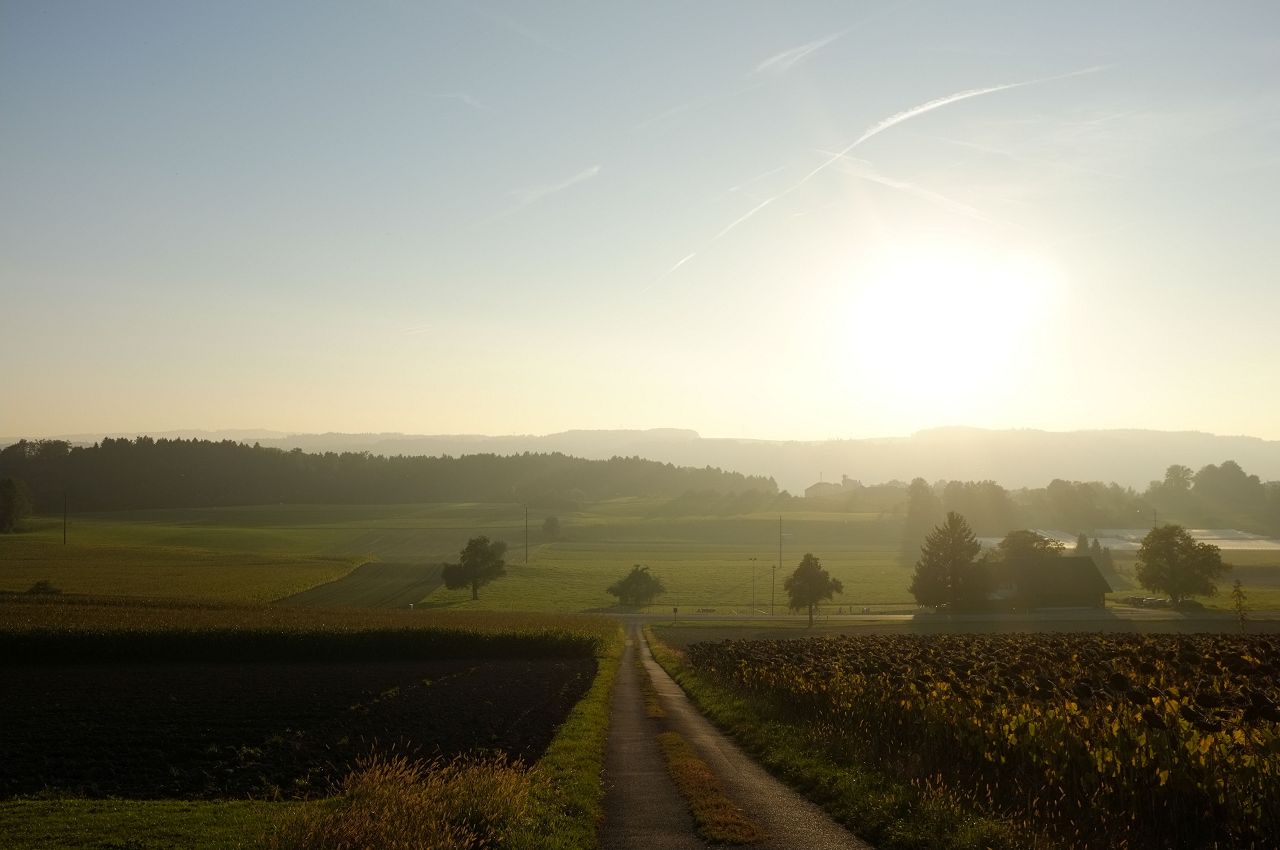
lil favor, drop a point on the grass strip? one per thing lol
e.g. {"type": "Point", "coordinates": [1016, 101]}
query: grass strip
{"type": "Point", "coordinates": [718, 819]}
{"type": "Point", "coordinates": [80, 824]}
{"type": "Point", "coordinates": [568, 806]}
{"type": "Point", "coordinates": [652, 705]}
{"type": "Point", "coordinates": [888, 812]}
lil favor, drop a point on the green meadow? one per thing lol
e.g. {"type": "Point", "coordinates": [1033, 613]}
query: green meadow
{"type": "Point", "coordinates": [264, 553]}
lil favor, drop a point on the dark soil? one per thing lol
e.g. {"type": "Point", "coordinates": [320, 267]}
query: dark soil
{"type": "Point", "coordinates": [265, 729]}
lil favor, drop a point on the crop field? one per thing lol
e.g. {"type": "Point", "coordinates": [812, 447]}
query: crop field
{"type": "Point", "coordinates": [265, 729]}
{"type": "Point", "coordinates": [1089, 741]}
{"type": "Point", "coordinates": [142, 719]}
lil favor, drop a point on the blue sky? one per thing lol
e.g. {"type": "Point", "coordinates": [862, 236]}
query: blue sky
{"type": "Point", "coordinates": [513, 217]}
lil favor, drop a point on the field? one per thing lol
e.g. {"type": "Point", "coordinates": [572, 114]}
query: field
{"type": "Point", "coordinates": [1257, 570]}
{"type": "Point", "coordinates": [268, 552]}
{"type": "Point", "coordinates": [1081, 741]}
{"type": "Point", "coordinates": [118, 713]}
{"type": "Point", "coordinates": [265, 730]}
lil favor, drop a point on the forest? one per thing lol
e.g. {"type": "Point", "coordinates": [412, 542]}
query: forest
{"type": "Point", "coordinates": [124, 474]}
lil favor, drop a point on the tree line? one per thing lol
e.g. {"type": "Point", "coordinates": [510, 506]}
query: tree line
{"type": "Point", "coordinates": [953, 571]}
{"type": "Point", "coordinates": [125, 474]}
{"type": "Point", "coordinates": [1218, 496]}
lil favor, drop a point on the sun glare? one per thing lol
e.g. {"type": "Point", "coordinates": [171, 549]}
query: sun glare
{"type": "Point", "coordinates": [946, 329]}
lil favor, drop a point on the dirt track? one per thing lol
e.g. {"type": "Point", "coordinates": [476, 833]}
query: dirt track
{"type": "Point", "coordinates": [643, 808]}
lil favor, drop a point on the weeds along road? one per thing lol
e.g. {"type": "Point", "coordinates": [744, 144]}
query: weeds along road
{"type": "Point", "coordinates": [374, 585]}
{"type": "Point", "coordinates": [643, 809]}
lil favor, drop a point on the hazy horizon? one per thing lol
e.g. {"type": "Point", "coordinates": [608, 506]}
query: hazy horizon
{"type": "Point", "coordinates": [284, 432]}
{"type": "Point", "coordinates": [794, 221]}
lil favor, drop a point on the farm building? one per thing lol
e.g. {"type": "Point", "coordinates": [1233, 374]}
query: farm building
{"type": "Point", "coordinates": [1060, 582]}
{"type": "Point", "coordinates": [831, 490]}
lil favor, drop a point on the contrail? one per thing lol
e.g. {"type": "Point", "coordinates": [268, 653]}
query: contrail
{"type": "Point", "coordinates": [893, 120]}
{"type": "Point", "coordinates": [533, 194]}
{"type": "Point", "coordinates": [864, 171]}
{"type": "Point", "coordinates": [660, 278]}
{"type": "Point", "coordinates": [875, 130]}
{"type": "Point", "coordinates": [782, 62]}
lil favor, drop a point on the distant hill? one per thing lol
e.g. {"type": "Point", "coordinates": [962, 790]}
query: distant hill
{"type": "Point", "coordinates": [1015, 458]}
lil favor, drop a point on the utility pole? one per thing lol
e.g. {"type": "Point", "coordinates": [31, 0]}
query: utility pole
{"type": "Point", "coordinates": [526, 535]}
{"type": "Point", "coordinates": [773, 588]}
{"type": "Point", "coordinates": [773, 592]}
{"type": "Point", "coordinates": [753, 586]}
{"type": "Point", "coordinates": [64, 517]}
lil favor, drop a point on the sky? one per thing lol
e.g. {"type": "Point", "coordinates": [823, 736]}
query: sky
{"type": "Point", "coordinates": [796, 220]}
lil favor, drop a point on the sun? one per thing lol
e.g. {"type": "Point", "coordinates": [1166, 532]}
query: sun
{"type": "Point", "coordinates": [943, 328]}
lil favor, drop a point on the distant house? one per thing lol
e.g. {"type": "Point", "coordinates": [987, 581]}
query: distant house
{"type": "Point", "coordinates": [1060, 582]}
{"type": "Point", "coordinates": [823, 490]}
{"type": "Point", "coordinates": [829, 490]}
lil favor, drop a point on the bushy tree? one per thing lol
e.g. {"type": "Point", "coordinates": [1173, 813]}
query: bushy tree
{"type": "Point", "coordinates": [1173, 562]}
{"type": "Point", "coordinates": [949, 571]}
{"type": "Point", "coordinates": [551, 528]}
{"type": "Point", "coordinates": [1025, 545]}
{"type": "Point", "coordinates": [637, 588]}
{"type": "Point", "coordinates": [809, 585]}
{"type": "Point", "coordinates": [15, 504]}
{"type": "Point", "coordinates": [480, 563]}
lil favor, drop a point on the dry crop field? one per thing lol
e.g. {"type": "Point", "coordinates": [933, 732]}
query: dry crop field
{"type": "Point", "coordinates": [1097, 741]}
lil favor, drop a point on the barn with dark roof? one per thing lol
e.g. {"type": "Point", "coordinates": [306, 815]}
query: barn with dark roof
{"type": "Point", "coordinates": [1061, 582]}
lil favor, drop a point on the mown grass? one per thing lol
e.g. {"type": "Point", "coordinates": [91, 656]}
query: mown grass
{"type": "Point", "coordinates": [161, 571]}
{"type": "Point", "coordinates": [889, 813]}
{"type": "Point", "coordinates": [79, 824]}
{"type": "Point", "coordinates": [573, 576]}
{"type": "Point", "coordinates": [263, 552]}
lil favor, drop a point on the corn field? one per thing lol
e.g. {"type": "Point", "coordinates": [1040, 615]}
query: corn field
{"type": "Point", "coordinates": [1115, 741]}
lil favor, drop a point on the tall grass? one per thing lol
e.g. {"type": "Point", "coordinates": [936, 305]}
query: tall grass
{"type": "Point", "coordinates": [396, 804]}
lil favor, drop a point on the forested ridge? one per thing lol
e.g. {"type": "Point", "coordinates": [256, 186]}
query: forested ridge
{"type": "Point", "coordinates": [123, 474]}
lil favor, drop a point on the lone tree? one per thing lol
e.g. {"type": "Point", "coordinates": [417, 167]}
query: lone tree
{"type": "Point", "coordinates": [15, 504]}
{"type": "Point", "coordinates": [1171, 561]}
{"type": "Point", "coordinates": [637, 587]}
{"type": "Point", "coordinates": [809, 585]}
{"type": "Point", "coordinates": [480, 563]}
{"type": "Point", "coordinates": [949, 572]}
{"type": "Point", "coordinates": [551, 528]}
